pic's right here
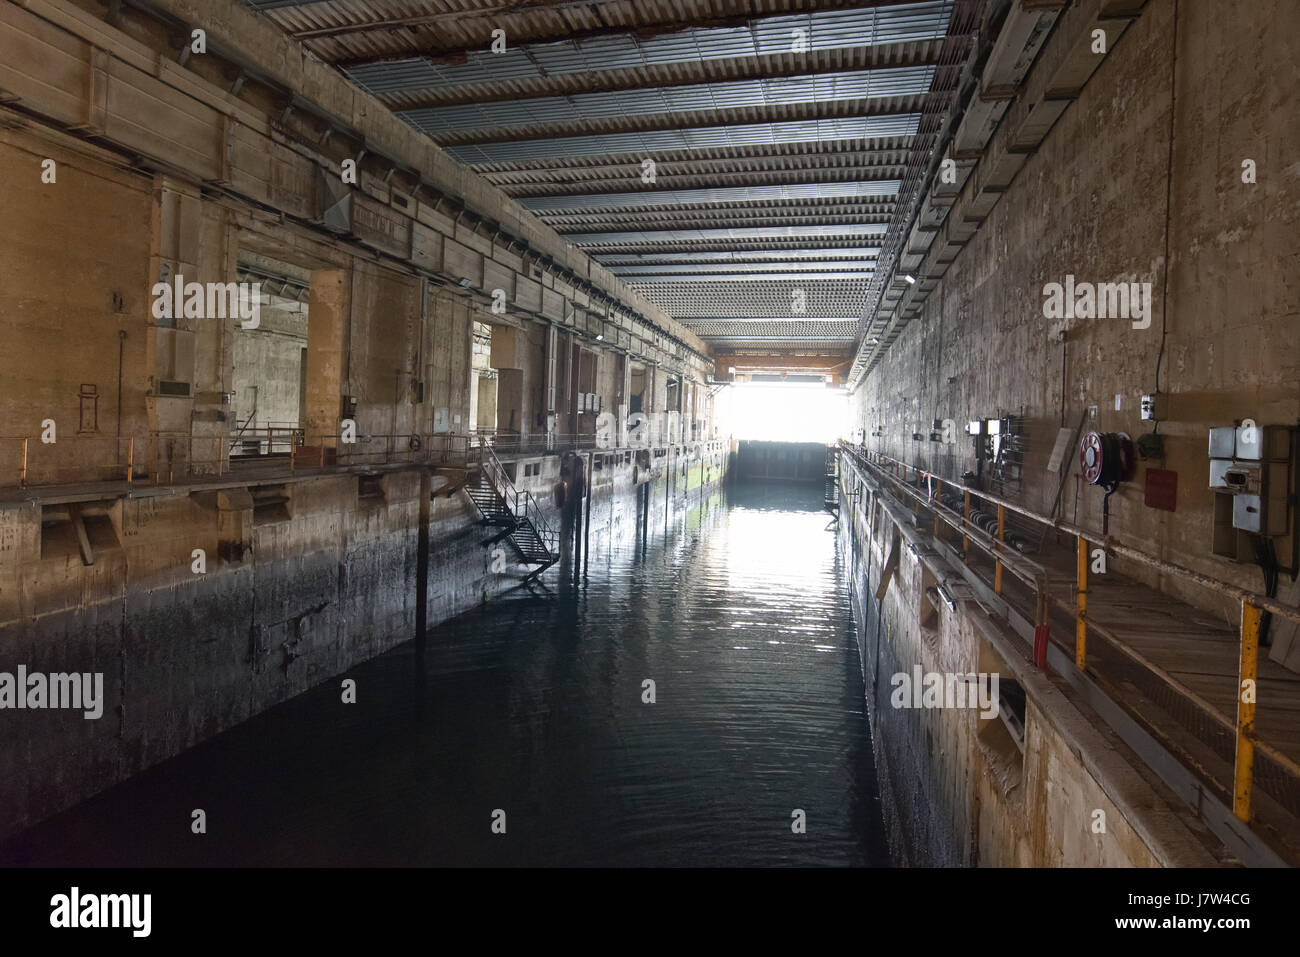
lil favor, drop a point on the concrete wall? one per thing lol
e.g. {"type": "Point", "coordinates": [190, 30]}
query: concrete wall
{"type": "Point", "coordinates": [781, 461]}
{"type": "Point", "coordinates": [956, 788]}
{"type": "Point", "coordinates": [268, 368]}
{"type": "Point", "coordinates": [65, 297]}
{"type": "Point", "coordinates": [1109, 196]}
{"type": "Point", "coordinates": [304, 574]}
{"type": "Point", "coordinates": [326, 579]}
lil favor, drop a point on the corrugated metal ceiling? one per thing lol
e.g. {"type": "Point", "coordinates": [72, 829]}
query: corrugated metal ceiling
{"type": "Point", "coordinates": [784, 142]}
{"type": "Point", "coordinates": [708, 137]}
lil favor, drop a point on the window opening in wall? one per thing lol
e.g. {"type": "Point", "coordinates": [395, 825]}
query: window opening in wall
{"type": "Point", "coordinates": [269, 366]}
{"type": "Point", "coordinates": [483, 394]}
{"type": "Point", "coordinates": [636, 399]}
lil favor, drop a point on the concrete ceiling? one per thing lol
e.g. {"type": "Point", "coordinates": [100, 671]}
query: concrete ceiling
{"type": "Point", "coordinates": [788, 138]}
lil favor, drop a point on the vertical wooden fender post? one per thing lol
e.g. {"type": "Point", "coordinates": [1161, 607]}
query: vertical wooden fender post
{"type": "Point", "coordinates": [1081, 612]}
{"type": "Point", "coordinates": [965, 539]}
{"type": "Point", "coordinates": [1041, 628]}
{"type": "Point", "coordinates": [422, 561]}
{"type": "Point", "coordinates": [1247, 687]}
{"type": "Point", "coordinates": [997, 569]}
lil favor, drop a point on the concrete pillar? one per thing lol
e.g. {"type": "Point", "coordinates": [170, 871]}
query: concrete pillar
{"type": "Point", "coordinates": [176, 225]}
{"type": "Point", "coordinates": [327, 319]}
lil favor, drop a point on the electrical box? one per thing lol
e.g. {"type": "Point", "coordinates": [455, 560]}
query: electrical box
{"type": "Point", "coordinates": [1250, 475]}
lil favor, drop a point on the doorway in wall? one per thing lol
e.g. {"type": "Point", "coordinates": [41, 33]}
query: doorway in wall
{"type": "Point", "coordinates": [269, 363]}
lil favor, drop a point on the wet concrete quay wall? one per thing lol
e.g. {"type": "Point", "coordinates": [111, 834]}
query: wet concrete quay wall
{"type": "Point", "coordinates": [297, 582]}
{"type": "Point", "coordinates": [962, 789]}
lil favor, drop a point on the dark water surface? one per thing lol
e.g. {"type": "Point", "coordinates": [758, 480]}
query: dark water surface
{"type": "Point", "coordinates": [534, 706]}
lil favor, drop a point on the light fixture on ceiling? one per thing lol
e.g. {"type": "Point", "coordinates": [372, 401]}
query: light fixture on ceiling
{"type": "Point", "coordinates": [599, 336]}
{"type": "Point", "coordinates": [911, 280]}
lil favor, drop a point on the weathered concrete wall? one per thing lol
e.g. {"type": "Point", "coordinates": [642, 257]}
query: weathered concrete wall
{"type": "Point", "coordinates": [781, 461]}
{"type": "Point", "coordinates": [1091, 202]}
{"type": "Point", "coordinates": [267, 368]}
{"type": "Point", "coordinates": [304, 576]}
{"type": "Point", "coordinates": [329, 580]}
{"type": "Point", "coordinates": [956, 788]}
{"type": "Point", "coordinates": [65, 294]}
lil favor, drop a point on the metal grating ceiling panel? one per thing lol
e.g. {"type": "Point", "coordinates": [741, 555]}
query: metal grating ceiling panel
{"type": "Point", "coordinates": [792, 172]}
{"type": "Point", "coordinates": [825, 30]}
{"type": "Point", "coordinates": [795, 158]}
{"type": "Point", "coordinates": [708, 137]}
{"type": "Point", "coordinates": [781, 91]}
{"type": "Point", "coordinates": [769, 257]}
{"type": "Point", "coordinates": [694, 270]}
{"type": "Point", "coordinates": [839, 298]}
{"type": "Point", "coordinates": [690, 235]}
{"type": "Point", "coordinates": [819, 329]}
{"type": "Point", "coordinates": [660, 278]}
{"type": "Point", "coordinates": [746, 194]}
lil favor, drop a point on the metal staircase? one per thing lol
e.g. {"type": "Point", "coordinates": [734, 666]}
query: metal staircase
{"type": "Point", "coordinates": [832, 501]}
{"type": "Point", "coordinates": [515, 513]}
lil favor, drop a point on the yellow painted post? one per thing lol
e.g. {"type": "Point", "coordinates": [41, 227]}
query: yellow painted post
{"type": "Point", "coordinates": [1244, 766]}
{"type": "Point", "coordinates": [22, 471]}
{"type": "Point", "coordinates": [1081, 614]}
{"type": "Point", "coordinates": [997, 570]}
{"type": "Point", "coordinates": [965, 539]}
{"type": "Point", "coordinates": [130, 460]}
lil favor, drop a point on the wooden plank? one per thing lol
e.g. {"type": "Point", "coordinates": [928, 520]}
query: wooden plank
{"type": "Point", "coordinates": [83, 540]}
{"type": "Point", "coordinates": [887, 570]}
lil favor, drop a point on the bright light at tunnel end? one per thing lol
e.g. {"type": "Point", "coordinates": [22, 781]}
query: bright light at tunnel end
{"type": "Point", "coordinates": [785, 411]}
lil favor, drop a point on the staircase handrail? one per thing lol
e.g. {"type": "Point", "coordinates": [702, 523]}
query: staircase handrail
{"type": "Point", "coordinates": [521, 503]}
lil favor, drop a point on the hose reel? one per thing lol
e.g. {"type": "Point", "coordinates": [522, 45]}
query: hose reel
{"type": "Point", "coordinates": [1107, 459]}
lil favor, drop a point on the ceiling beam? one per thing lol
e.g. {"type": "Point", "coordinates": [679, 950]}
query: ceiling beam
{"type": "Point", "coordinates": [878, 191]}
{"type": "Point", "coordinates": [521, 37]}
{"type": "Point", "coordinates": [688, 73]}
{"type": "Point", "coordinates": [790, 157]}
{"type": "Point", "coordinates": [560, 184]}
{"type": "Point", "coordinates": [713, 117]}
{"type": "Point", "coordinates": [727, 364]}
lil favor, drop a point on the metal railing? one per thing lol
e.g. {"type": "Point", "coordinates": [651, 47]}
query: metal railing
{"type": "Point", "coordinates": [172, 457]}
{"type": "Point", "coordinates": [512, 443]}
{"type": "Point", "coordinates": [184, 457]}
{"type": "Point", "coordinates": [269, 439]}
{"type": "Point", "coordinates": [909, 479]}
{"type": "Point", "coordinates": [520, 502]}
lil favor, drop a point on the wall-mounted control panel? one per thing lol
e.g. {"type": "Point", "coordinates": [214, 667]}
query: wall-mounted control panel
{"type": "Point", "coordinates": [1250, 475]}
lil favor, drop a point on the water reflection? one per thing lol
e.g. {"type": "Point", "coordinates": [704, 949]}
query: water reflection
{"type": "Point", "coordinates": [534, 706]}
